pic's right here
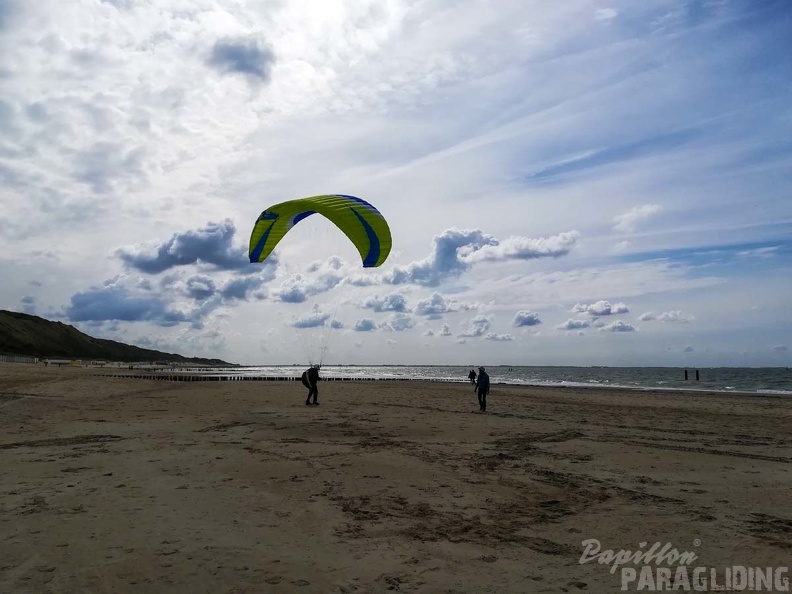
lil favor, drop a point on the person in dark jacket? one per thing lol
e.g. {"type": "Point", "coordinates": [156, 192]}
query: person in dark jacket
{"type": "Point", "coordinates": [472, 377]}
{"type": "Point", "coordinates": [482, 389]}
{"type": "Point", "coordinates": [310, 379]}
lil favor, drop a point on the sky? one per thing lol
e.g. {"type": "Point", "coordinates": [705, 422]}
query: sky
{"type": "Point", "coordinates": [566, 183]}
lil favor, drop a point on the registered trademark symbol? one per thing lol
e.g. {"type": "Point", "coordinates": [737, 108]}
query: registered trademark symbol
{"type": "Point", "coordinates": [696, 542]}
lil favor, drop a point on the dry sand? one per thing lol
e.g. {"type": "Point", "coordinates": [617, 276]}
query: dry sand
{"type": "Point", "coordinates": [129, 485]}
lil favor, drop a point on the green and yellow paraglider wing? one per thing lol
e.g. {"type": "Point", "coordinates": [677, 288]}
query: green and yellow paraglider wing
{"type": "Point", "coordinates": [359, 220]}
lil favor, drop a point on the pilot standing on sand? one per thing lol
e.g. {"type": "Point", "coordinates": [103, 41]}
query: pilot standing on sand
{"type": "Point", "coordinates": [482, 389]}
{"type": "Point", "coordinates": [310, 379]}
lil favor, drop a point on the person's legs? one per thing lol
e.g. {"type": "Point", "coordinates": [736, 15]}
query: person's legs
{"type": "Point", "coordinates": [481, 405]}
{"type": "Point", "coordinates": [483, 401]}
{"type": "Point", "coordinates": [315, 393]}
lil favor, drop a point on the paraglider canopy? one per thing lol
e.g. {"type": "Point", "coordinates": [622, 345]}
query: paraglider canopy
{"type": "Point", "coordinates": [363, 224]}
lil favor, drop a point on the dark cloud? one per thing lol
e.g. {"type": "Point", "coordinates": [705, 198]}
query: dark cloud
{"type": "Point", "coordinates": [243, 286]}
{"type": "Point", "coordinates": [213, 244]}
{"type": "Point", "coordinates": [526, 318]}
{"type": "Point", "coordinates": [365, 325]}
{"type": "Point", "coordinates": [115, 303]}
{"type": "Point", "coordinates": [688, 349]}
{"type": "Point", "coordinates": [28, 304]}
{"type": "Point", "coordinates": [781, 348]}
{"type": "Point", "coordinates": [246, 57]}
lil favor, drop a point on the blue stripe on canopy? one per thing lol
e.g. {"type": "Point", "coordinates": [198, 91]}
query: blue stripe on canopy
{"type": "Point", "coordinates": [374, 251]}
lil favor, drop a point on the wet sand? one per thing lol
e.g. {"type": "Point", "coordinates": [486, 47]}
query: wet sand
{"type": "Point", "coordinates": [130, 485]}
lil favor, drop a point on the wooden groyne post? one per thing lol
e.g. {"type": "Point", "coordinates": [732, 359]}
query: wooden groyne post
{"type": "Point", "coordinates": [697, 375]}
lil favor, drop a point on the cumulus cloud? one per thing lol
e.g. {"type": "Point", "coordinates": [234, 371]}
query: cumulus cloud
{"type": "Point", "coordinates": [780, 348]}
{"type": "Point", "coordinates": [574, 325]}
{"type": "Point", "coordinates": [313, 319]}
{"type": "Point", "coordinates": [243, 56]}
{"type": "Point", "coordinates": [365, 325]}
{"type": "Point", "coordinates": [689, 349]}
{"type": "Point", "coordinates": [206, 290]}
{"type": "Point", "coordinates": [454, 251]}
{"type": "Point", "coordinates": [200, 287]}
{"type": "Point", "coordinates": [320, 277]}
{"type": "Point", "coordinates": [628, 221]}
{"type": "Point", "coordinates": [526, 318]}
{"type": "Point", "coordinates": [674, 317]}
{"type": "Point", "coordinates": [444, 261]}
{"type": "Point", "coordinates": [436, 305]}
{"type": "Point", "coordinates": [336, 324]}
{"type": "Point", "coordinates": [243, 287]}
{"type": "Point", "coordinates": [601, 308]}
{"type": "Point", "coordinates": [213, 245]}
{"type": "Point", "coordinates": [477, 326]}
{"type": "Point", "coordinates": [428, 332]}
{"type": "Point", "coordinates": [445, 330]}
{"type": "Point", "coordinates": [619, 326]}
{"type": "Point", "coordinates": [499, 337]}
{"type": "Point", "coordinates": [398, 323]}
{"type": "Point", "coordinates": [392, 302]}
{"type": "Point", "coordinates": [433, 307]}
{"type": "Point", "coordinates": [523, 248]}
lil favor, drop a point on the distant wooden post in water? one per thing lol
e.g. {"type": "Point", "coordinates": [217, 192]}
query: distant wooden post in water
{"type": "Point", "coordinates": [697, 375]}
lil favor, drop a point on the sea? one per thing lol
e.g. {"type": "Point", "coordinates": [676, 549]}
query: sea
{"type": "Point", "coordinates": [759, 380]}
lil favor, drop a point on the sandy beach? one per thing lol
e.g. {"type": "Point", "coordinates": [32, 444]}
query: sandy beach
{"type": "Point", "coordinates": [130, 485]}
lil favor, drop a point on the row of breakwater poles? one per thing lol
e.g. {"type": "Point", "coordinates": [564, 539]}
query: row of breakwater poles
{"type": "Point", "coordinates": [697, 374]}
{"type": "Point", "coordinates": [252, 378]}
